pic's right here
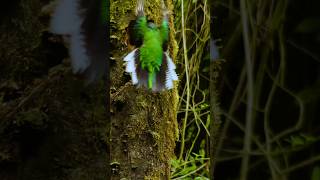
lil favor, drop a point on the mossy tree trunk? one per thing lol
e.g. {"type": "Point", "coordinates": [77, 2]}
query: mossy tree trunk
{"type": "Point", "coordinates": [144, 125]}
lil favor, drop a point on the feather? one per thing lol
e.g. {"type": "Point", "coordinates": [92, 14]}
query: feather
{"type": "Point", "coordinates": [149, 65]}
{"type": "Point", "coordinates": [166, 75]}
{"type": "Point", "coordinates": [163, 79]}
{"type": "Point", "coordinates": [83, 21]}
{"type": "Point", "coordinates": [134, 78]}
{"type": "Point", "coordinates": [130, 60]}
{"type": "Point", "coordinates": [79, 58]}
{"type": "Point", "coordinates": [65, 19]}
{"type": "Point", "coordinates": [170, 73]}
{"type": "Point", "coordinates": [130, 56]}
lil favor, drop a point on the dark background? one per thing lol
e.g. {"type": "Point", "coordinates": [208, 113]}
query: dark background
{"type": "Point", "coordinates": [285, 41]}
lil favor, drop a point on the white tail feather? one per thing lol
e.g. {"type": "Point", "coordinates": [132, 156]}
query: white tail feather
{"type": "Point", "coordinates": [131, 66]}
{"type": "Point", "coordinates": [169, 81]}
{"type": "Point", "coordinates": [139, 7]}
{"type": "Point", "coordinates": [130, 56]}
{"type": "Point", "coordinates": [79, 58]}
{"type": "Point", "coordinates": [66, 20]}
{"type": "Point", "coordinates": [134, 77]}
{"type": "Point", "coordinates": [170, 74]}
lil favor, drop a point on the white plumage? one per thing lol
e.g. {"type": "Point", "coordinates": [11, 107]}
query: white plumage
{"type": "Point", "coordinates": [131, 66]}
{"type": "Point", "coordinates": [171, 73]}
{"type": "Point", "coordinates": [67, 20]}
{"type": "Point", "coordinates": [134, 77]}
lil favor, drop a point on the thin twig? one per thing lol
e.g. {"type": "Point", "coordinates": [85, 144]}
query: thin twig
{"type": "Point", "coordinates": [187, 80]}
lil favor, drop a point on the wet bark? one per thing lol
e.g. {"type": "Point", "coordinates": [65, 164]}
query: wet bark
{"type": "Point", "coordinates": [144, 125]}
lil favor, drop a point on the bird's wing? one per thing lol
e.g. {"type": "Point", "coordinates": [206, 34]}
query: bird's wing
{"type": "Point", "coordinates": [138, 27]}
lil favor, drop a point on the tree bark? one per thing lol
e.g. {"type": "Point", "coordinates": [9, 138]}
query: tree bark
{"type": "Point", "coordinates": [215, 115]}
{"type": "Point", "coordinates": [144, 125]}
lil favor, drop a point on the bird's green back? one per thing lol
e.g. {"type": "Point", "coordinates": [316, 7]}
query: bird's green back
{"type": "Point", "coordinates": [151, 53]}
{"type": "Point", "coordinates": [151, 50]}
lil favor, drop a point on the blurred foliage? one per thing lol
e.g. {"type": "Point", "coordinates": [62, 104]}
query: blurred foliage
{"type": "Point", "coordinates": [192, 34]}
{"type": "Point", "coordinates": [284, 41]}
{"type": "Point", "coordinates": [51, 125]}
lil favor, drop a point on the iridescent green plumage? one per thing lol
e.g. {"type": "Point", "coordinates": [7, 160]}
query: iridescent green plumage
{"type": "Point", "coordinates": [151, 49]}
{"type": "Point", "coordinates": [149, 64]}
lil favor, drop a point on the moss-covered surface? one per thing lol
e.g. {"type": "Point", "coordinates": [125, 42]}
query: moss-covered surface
{"type": "Point", "coordinates": [51, 126]}
{"type": "Point", "coordinates": [144, 124]}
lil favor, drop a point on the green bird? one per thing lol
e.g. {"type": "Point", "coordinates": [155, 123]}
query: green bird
{"type": "Point", "coordinates": [150, 64]}
{"type": "Point", "coordinates": [84, 24]}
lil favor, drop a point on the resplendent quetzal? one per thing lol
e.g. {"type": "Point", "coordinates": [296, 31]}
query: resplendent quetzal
{"type": "Point", "coordinates": [84, 22]}
{"type": "Point", "coordinates": [150, 64]}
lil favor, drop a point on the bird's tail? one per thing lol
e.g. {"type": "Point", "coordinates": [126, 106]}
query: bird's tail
{"type": "Point", "coordinates": [140, 8]}
{"type": "Point", "coordinates": [161, 80]}
{"type": "Point", "coordinates": [85, 24]}
{"type": "Point", "coordinates": [66, 21]}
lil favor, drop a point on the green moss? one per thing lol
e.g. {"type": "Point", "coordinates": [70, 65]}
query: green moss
{"type": "Point", "coordinates": [144, 125]}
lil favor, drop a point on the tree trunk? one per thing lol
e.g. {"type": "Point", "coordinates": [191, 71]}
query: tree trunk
{"type": "Point", "coordinates": [215, 115]}
{"type": "Point", "coordinates": [144, 125]}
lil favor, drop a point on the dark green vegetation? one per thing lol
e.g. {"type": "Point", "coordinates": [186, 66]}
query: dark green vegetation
{"type": "Point", "coordinates": [271, 53]}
